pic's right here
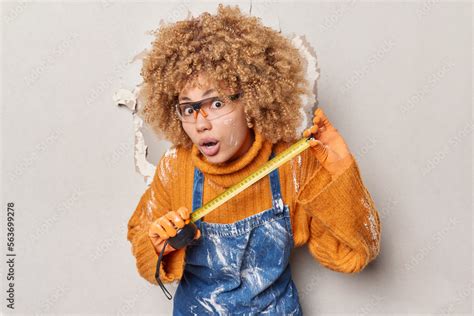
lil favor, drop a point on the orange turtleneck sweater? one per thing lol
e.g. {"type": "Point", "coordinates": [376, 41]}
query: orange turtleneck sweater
{"type": "Point", "coordinates": [334, 214]}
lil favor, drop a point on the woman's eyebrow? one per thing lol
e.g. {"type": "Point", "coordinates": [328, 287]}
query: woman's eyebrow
{"type": "Point", "coordinates": [204, 94]}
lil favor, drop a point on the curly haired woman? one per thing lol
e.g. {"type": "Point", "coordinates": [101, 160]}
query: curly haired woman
{"type": "Point", "coordinates": [225, 90]}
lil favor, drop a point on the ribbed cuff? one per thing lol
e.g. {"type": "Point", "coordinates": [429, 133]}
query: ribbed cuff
{"type": "Point", "coordinates": [147, 258]}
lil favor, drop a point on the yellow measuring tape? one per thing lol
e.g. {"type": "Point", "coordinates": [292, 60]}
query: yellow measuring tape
{"type": "Point", "coordinates": [268, 167]}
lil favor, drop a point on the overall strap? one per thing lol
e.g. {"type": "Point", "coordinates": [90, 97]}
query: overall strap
{"type": "Point", "coordinates": [198, 186]}
{"type": "Point", "coordinates": [277, 201]}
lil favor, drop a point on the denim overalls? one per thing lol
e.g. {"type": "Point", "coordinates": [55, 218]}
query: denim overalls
{"type": "Point", "coordinates": [240, 268]}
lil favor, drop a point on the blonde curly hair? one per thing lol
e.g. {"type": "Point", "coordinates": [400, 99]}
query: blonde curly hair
{"type": "Point", "coordinates": [240, 54]}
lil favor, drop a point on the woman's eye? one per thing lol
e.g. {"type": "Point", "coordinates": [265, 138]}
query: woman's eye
{"type": "Point", "coordinates": [188, 110]}
{"type": "Point", "coordinates": [217, 104]}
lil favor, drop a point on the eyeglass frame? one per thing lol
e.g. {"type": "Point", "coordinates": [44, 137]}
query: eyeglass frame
{"type": "Point", "coordinates": [197, 105]}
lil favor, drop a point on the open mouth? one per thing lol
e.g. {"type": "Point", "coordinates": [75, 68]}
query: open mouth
{"type": "Point", "coordinates": [210, 148]}
{"type": "Point", "coordinates": [210, 144]}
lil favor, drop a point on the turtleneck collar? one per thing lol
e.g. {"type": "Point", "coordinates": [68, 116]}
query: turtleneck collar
{"type": "Point", "coordinates": [229, 173]}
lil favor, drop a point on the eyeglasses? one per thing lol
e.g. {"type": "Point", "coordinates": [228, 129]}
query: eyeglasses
{"type": "Point", "coordinates": [211, 108]}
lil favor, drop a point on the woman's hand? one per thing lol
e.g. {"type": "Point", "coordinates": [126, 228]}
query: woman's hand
{"type": "Point", "coordinates": [167, 226]}
{"type": "Point", "coordinates": [329, 147]}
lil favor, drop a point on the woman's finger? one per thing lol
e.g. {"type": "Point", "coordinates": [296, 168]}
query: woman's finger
{"type": "Point", "coordinates": [166, 224]}
{"type": "Point", "coordinates": [323, 120]}
{"type": "Point", "coordinates": [317, 120]}
{"type": "Point", "coordinates": [319, 149]}
{"type": "Point", "coordinates": [156, 229]}
{"type": "Point", "coordinates": [183, 212]}
{"type": "Point", "coordinates": [312, 130]}
{"type": "Point", "coordinates": [175, 218]}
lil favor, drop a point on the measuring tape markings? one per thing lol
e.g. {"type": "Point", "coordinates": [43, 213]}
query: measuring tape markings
{"type": "Point", "coordinates": [268, 167]}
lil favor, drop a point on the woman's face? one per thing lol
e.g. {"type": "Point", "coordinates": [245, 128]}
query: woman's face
{"type": "Point", "coordinates": [230, 131]}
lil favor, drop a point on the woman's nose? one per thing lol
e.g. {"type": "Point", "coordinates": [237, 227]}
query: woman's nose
{"type": "Point", "coordinates": [202, 123]}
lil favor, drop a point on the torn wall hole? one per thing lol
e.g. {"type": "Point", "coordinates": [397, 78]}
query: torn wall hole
{"type": "Point", "coordinates": [312, 71]}
{"type": "Point", "coordinates": [144, 138]}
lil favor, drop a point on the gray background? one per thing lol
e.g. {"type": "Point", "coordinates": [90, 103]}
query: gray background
{"type": "Point", "coordinates": [396, 80]}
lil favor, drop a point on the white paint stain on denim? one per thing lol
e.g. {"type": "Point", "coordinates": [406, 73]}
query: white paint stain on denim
{"type": "Point", "coordinates": [219, 251]}
{"type": "Point", "coordinates": [270, 310]}
{"type": "Point", "coordinates": [223, 261]}
{"type": "Point", "coordinates": [254, 277]}
{"type": "Point", "coordinates": [277, 232]}
{"type": "Point", "coordinates": [278, 202]}
{"type": "Point", "coordinates": [191, 310]}
{"type": "Point", "coordinates": [211, 304]}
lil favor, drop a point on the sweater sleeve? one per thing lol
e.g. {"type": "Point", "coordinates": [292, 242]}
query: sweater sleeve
{"type": "Point", "coordinates": [344, 224]}
{"type": "Point", "coordinates": [154, 203]}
